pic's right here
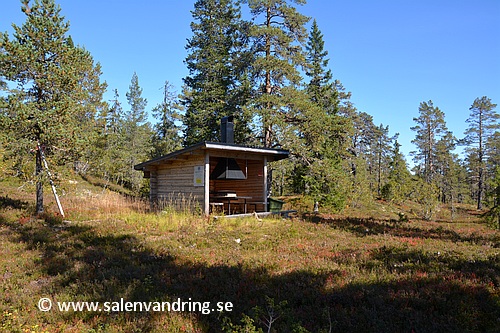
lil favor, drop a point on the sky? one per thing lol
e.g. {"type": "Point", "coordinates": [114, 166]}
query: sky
{"type": "Point", "coordinates": [390, 54]}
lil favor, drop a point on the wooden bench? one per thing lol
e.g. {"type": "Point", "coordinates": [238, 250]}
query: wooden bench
{"type": "Point", "coordinates": [254, 204]}
{"type": "Point", "coordinates": [215, 206]}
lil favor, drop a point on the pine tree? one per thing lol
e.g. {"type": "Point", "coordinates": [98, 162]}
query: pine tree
{"type": "Point", "coordinates": [278, 36]}
{"type": "Point", "coordinates": [493, 145]}
{"type": "Point", "coordinates": [426, 195]}
{"type": "Point", "coordinates": [217, 84]}
{"type": "Point", "coordinates": [57, 88]}
{"type": "Point", "coordinates": [363, 134]}
{"type": "Point", "coordinates": [483, 121]}
{"type": "Point", "coordinates": [430, 127]}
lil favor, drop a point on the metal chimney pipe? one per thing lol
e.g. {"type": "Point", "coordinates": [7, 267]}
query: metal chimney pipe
{"type": "Point", "coordinates": [227, 130]}
{"type": "Point", "coordinates": [227, 168]}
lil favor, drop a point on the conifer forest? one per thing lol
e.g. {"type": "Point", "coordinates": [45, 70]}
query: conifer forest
{"type": "Point", "coordinates": [272, 75]}
{"type": "Point", "coordinates": [270, 70]}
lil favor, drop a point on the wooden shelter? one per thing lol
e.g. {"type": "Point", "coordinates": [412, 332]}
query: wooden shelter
{"type": "Point", "coordinates": [213, 175]}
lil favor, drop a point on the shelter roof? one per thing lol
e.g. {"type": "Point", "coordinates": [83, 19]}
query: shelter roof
{"type": "Point", "coordinates": [218, 147]}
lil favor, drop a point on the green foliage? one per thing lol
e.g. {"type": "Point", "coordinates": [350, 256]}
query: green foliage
{"type": "Point", "coordinates": [447, 169]}
{"type": "Point", "coordinates": [110, 142]}
{"type": "Point", "coordinates": [398, 186]}
{"type": "Point", "coordinates": [321, 88]}
{"type": "Point", "coordinates": [360, 190]}
{"type": "Point", "coordinates": [370, 155]}
{"type": "Point", "coordinates": [124, 139]}
{"type": "Point", "coordinates": [272, 317]}
{"type": "Point", "coordinates": [436, 162]}
{"type": "Point", "coordinates": [277, 35]}
{"type": "Point", "coordinates": [247, 325]}
{"type": "Point", "coordinates": [483, 122]}
{"type": "Point", "coordinates": [315, 132]}
{"type": "Point", "coordinates": [430, 127]}
{"type": "Point", "coordinates": [137, 135]}
{"type": "Point", "coordinates": [269, 314]}
{"type": "Point", "coordinates": [217, 84]}
{"type": "Point", "coordinates": [426, 195]}
{"type": "Point", "coordinates": [380, 161]}
{"type": "Point", "coordinates": [57, 90]}
{"type": "Point", "coordinates": [166, 137]}
{"type": "Point", "coordinates": [327, 183]}
{"type": "Point", "coordinates": [492, 216]}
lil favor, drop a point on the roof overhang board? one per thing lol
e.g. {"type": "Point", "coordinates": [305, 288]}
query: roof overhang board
{"type": "Point", "coordinates": [235, 151]}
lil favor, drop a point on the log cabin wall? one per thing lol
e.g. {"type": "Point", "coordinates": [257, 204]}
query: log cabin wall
{"type": "Point", "coordinates": [153, 187]}
{"type": "Point", "coordinates": [174, 184]}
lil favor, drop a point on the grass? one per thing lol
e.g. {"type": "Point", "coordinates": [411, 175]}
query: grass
{"type": "Point", "coordinates": [364, 270]}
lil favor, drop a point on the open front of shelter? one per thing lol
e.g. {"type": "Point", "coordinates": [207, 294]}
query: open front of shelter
{"type": "Point", "coordinates": [215, 176]}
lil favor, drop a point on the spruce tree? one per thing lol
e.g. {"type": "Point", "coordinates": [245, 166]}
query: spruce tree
{"type": "Point", "coordinates": [321, 88]}
{"type": "Point", "coordinates": [492, 186]}
{"type": "Point", "coordinates": [398, 184]}
{"type": "Point", "coordinates": [166, 137]}
{"type": "Point", "coordinates": [137, 134]}
{"type": "Point", "coordinates": [483, 122]}
{"type": "Point", "coordinates": [114, 116]}
{"type": "Point", "coordinates": [324, 132]}
{"type": "Point", "coordinates": [380, 155]}
{"type": "Point", "coordinates": [217, 84]}
{"type": "Point", "coordinates": [57, 88]}
{"type": "Point", "coordinates": [447, 168]}
{"type": "Point", "coordinates": [111, 142]}
{"type": "Point", "coordinates": [361, 162]}
{"type": "Point", "coordinates": [328, 95]}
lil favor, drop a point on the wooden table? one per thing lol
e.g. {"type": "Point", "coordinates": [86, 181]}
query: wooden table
{"type": "Point", "coordinates": [234, 199]}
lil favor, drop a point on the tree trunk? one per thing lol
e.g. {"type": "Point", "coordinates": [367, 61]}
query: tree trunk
{"type": "Point", "coordinates": [480, 190]}
{"type": "Point", "coordinates": [268, 127]}
{"type": "Point", "coordinates": [480, 184]}
{"type": "Point", "coordinates": [39, 184]}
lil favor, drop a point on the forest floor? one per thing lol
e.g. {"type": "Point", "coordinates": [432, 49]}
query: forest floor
{"type": "Point", "coordinates": [364, 270]}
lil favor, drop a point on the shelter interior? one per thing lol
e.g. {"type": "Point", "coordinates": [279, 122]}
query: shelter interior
{"type": "Point", "coordinates": [234, 196]}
